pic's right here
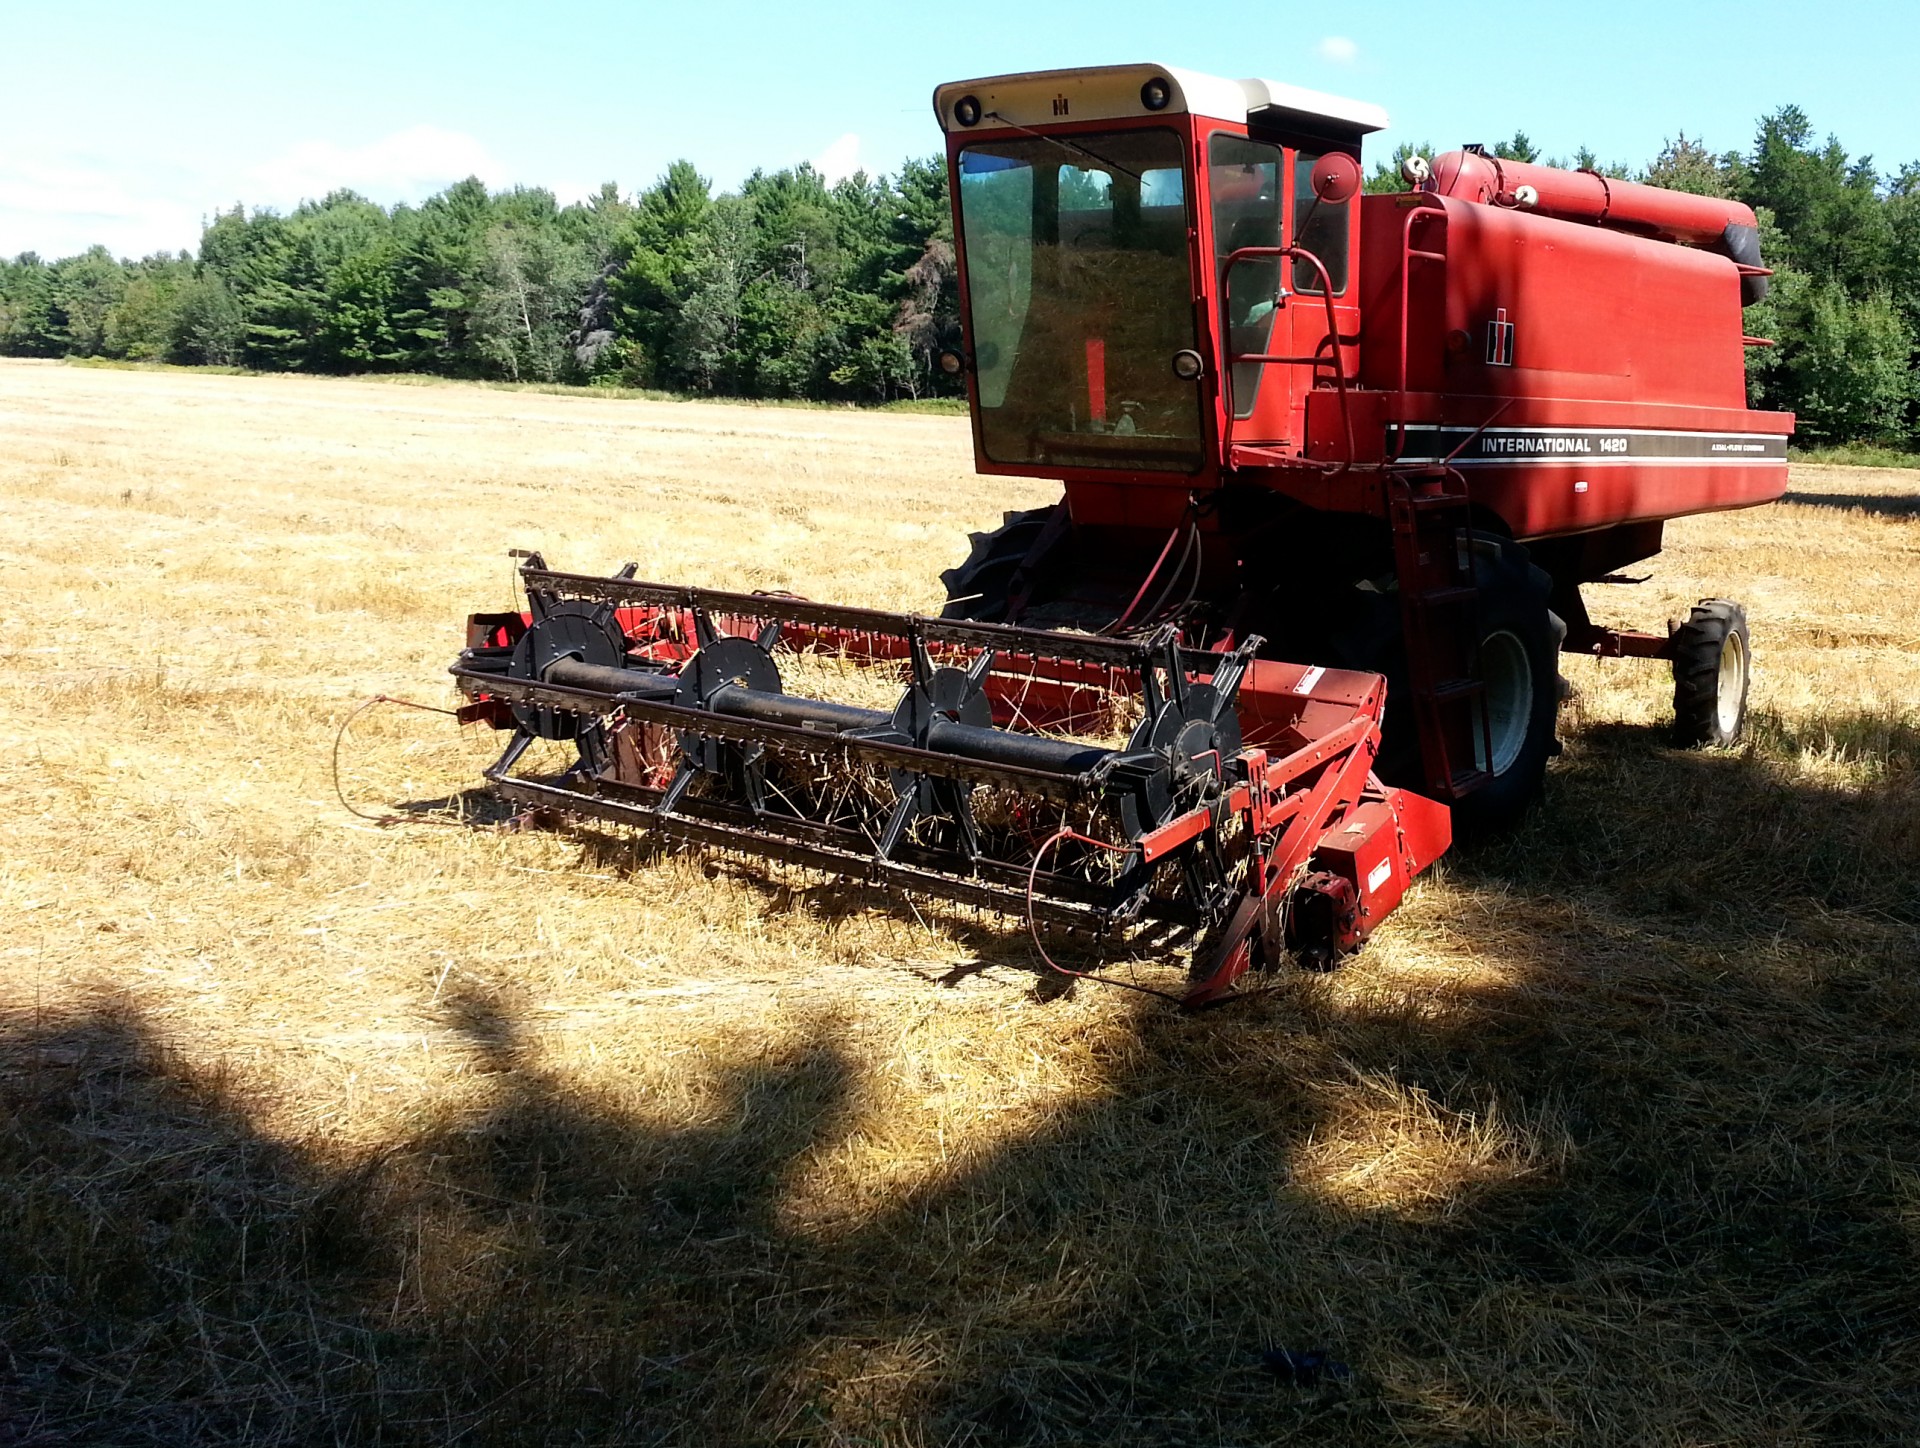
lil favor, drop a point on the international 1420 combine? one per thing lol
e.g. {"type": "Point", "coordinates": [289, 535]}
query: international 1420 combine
{"type": "Point", "coordinates": [1335, 469]}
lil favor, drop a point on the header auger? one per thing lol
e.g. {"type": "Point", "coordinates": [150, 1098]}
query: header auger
{"type": "Point", "coordinates": [1389, 436]}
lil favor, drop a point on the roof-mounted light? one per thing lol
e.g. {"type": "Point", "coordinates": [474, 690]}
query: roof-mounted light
{"type": "Point", "coordinates": [966, 110]}
{"type": "Point", "coordinates": [1156, 93]}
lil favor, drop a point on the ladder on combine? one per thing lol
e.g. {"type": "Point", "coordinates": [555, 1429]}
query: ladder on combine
{"type": "Point", "coordinates": [1430, 515]}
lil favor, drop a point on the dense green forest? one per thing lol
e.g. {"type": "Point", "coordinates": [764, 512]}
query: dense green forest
{"type": "Point", "coordinates": [788, 288]}
{"type": "Point", "coordinates": [791, 287]}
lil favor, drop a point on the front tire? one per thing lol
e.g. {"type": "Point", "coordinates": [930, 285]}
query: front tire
{"type": "Point", "coordinates": [980, 588]}
{"type": "Point", "coordinates": [1515, 655]}
{"type": "Point", "coordinates": [1516, 658]}
{"type": "Point", "coordinates": [1712, 667]}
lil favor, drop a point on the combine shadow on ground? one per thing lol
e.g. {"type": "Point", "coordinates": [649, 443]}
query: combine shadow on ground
{"type": "Point", "coordinates": [478, 807]}
{"type": "Point", "coordinates": [1691, 1062]}
{"type": "Point", "coordinates": [1890, 505]}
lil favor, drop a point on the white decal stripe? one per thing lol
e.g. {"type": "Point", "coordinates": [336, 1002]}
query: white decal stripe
{"type": "Point", "coordinates": [1587, 462]}
{"type": "Point", "coordinates": [1586, 428]}
{"type": "Point", "coordinates": [1583, 447]}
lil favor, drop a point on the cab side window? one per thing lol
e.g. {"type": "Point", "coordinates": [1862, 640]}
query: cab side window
{"type": "Point", "coordinates": [1320, 229]}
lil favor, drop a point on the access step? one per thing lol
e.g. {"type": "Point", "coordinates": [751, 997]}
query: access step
{"type": "Point", "coordinates": [1466, 781]}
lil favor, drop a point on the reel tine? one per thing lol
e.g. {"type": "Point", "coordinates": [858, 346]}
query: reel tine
{"type": "Point", "coordinates": [1166, 643]}
{"type": "Point", "coordinates": [1231, 672]}
{"type": "Point", "coordinates": [917, 649]}
{"type": "Point", "coordinates": [683, 778]}
{"type": "Point", "coordinates": [961, 808]}
{"type": "Point", "coordinates": [510, 756]}
{"type": "Point", "coordinates": [902, 816]}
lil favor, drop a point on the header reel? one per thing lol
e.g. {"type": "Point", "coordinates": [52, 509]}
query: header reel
{"type": "Point", "coordinates": [1083, 782]}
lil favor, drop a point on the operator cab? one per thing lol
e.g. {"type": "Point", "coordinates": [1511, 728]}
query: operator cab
{"type": "Point", "coordinates": [1096, 213]}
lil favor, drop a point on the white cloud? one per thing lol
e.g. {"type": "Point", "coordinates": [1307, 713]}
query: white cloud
{"type": "Point", "coordinates": [59, 204]}
{"type": "Point", "coordinates": [1338, 49]}
{"type": "Point", "coordinates": [840, 160]}
{"type": "Point", "coordinates": [60, 208]}
{"type": "Point", "coordinates": [404, 166]}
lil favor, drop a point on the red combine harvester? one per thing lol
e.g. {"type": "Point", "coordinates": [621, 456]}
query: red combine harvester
{"type": "Point", "coordinates": [1390, 436]}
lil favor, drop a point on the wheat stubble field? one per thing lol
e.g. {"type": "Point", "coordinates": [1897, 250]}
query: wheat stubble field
{"type": "Point", "coordinates": [315, 1131]}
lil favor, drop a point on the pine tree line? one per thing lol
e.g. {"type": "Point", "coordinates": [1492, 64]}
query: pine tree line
{"type": "Point", "coordinates": [788, 288]}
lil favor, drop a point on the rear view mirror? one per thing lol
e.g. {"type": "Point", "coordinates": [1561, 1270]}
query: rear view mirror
{"type": "Point", "coordinates": [1335, 178]}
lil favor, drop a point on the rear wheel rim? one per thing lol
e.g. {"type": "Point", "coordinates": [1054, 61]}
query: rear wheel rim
{"type": "Point", "coordinates": [1731, 689]}
{"type": "Point", "coordinates": [1508, 679]}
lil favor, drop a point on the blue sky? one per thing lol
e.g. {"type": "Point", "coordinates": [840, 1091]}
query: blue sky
{"type": "Point", "coordinates": [127, 124]}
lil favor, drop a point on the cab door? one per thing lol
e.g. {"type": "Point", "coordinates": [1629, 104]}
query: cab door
{"type": "Point", "coordinates": [1260, 196]}
{"type": "Point", "coordinates": [1328, 232]}
{"type": "Point", "coordinates": [1247, 182]}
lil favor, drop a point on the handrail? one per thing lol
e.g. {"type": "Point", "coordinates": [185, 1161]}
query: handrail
{"type": "Point", "coordinates": [1408, 251]}
{"type": "Point", "coordinates": [1296, 253]}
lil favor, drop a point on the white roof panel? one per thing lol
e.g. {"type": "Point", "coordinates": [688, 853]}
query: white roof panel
{"type": "Point", "coordinates": [1109, 92]}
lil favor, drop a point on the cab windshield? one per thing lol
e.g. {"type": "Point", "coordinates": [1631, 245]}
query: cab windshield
{"type": "Point", "coordinates": [1079, 284]}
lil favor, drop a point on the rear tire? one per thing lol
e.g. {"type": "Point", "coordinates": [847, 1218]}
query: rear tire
{"type": "Point", "coordinates": [1712, 667]}
{"type": "Point", "coordinates": [978, 588]}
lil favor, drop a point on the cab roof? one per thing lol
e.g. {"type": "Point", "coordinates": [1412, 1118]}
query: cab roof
{"type": "Point", "coordinates": [1113, 92]}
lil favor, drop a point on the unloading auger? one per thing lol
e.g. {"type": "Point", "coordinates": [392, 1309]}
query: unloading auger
{"type": "Point", "coordinates": [1126, 788]}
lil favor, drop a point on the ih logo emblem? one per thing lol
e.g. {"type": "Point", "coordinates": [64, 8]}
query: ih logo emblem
{"type": "Point", "coordinates": [1500, 340]}
{"type": "Point", "coordinates": [1060, 105]}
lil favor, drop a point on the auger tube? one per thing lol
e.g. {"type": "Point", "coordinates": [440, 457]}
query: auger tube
{"type": "Point", "coordinates": [968, 741]}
